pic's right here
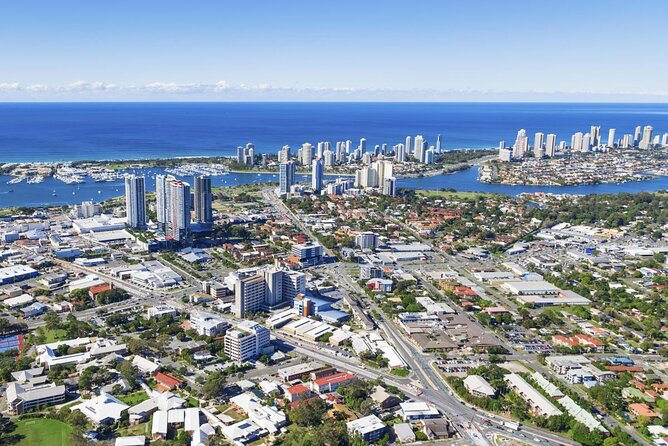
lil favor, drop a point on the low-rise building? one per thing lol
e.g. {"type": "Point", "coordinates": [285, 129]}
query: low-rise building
{"type": "Point", "coordinates": [24, 397]}
{"type": "Point", "coordinates": [414, 411]}
{"type": "Point", "coordinates": [478, 386]}
{"type": "Point", "coordinates": [371, 428]}
{"type": "Point", "coordinates": [332, 382]}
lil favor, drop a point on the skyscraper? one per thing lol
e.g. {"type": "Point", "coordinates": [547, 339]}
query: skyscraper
{"type": "Point", "coordinates": [161, 200]}
{"type": "Point", "coordinates": [419, 150]}
{"type": "Point", "coordinates": [521, 144]}
{"type": "Point", "coordinates": [316, 175]}
{"type": "Point", "coordinates": [636, 136]}
{"type": "Point", "coordinates": [203, 200]}
{"type": "Point", "coordinates": [287, 177]}
{"type": "Point", "coordinates": [135, 201]}
{"type": "Point", "coordinates": [307, 154]}
{"type": "Point", "coordinates": [646, 141]}
{"type": "Point", "coordinates": [595, 134]}
{"type": "Point", "coordinates": [284, 154]}
{"type": "Point", "coordinates": [178, 210]}
{"type": "Point", "coordinates": [390, 186]}
{"type": "Point", "coordinates": [438, 143]}
{"type": "Point", "coordinates": [362, 145]}
{"type": "Point", "coordinates": [407, 146]}
{"type": "Point", "coordinates": [576, 142]}
{"type": "Point", "coordinates": [551, 145]}
{"type": "Point", "coordinates": [249, 294]}
{"type": "Point", "coordinates": [538, 145]}
{"type": "Point", "coordinates": [611, 138]}
{"type": "Point", "coordinates": [586, 142]}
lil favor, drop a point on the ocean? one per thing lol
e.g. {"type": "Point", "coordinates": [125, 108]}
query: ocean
{"type": "Point", "coordinates": [78, 131]}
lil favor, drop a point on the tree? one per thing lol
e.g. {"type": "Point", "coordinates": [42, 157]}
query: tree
{"type": "Point", "coordinates": [52, 320]}
{"type": "Point", "coordinates": [309, 413]}
{"type": "Point", "coordinates": [129, 373]}
{"type": "Point", "coordinates": [214, 385]}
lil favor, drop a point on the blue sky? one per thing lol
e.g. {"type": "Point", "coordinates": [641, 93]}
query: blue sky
{"type": "Point", "coordinates": [334, 50]}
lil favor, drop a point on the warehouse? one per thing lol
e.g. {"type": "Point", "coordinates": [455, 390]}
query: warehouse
{"type": "Point", "coordinates": [530, 287]}
{"type": "Point", "coordinates": [16, 273]}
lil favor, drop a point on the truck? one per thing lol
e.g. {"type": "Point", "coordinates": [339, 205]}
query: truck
{"type": "Point", "coordinates": [512, 425]}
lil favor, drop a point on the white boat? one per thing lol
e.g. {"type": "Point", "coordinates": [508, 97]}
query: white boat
{"type": "Point", "coordinates": [16, 180]}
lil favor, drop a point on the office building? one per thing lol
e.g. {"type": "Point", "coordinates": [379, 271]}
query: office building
{"type": "Point", "coordinates": [135, 201]}
{"type": "Point", "coordinates": [273, 294]}
{"type": "Point", "coordinates": [308, 254]}
{"type": "Point", "coordinates": [316, 175]}
{"type": "Point", "coordinates": [249, 294]}
{"type": "Point", "coordinates": [611, 138]}
{"type": "Point", "coordinates": [287, 177]}
{"type": "Point", "coordinates": [246, 341]}
{"type": "Point", "coordinates": [203, 200]}
{"type": "Point", "coordinates": [294, 283]}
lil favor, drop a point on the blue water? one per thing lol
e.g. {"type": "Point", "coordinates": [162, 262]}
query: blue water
{"type": "Point", "coordinates": [34, 195]}
{"type": "Point", "coordinates": [75, 131]}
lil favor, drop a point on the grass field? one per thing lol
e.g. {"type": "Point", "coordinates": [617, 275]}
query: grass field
{"type": "Point", "coordinates": [134, 398]}
{"type": "Point", "coordinates": [43, 432]}
{"type": "Point", "coordinates": [52, 335]}
{"type": "Point", "coordinates": [441, 194]}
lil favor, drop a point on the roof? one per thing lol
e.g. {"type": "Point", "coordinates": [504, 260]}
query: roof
{"type": "Point", "coordinates": [643, 410]}
{"type": "Point", "coordinates": [479, 384]}
{"type": "Point", "coordinates": [404, 432]}
{"type": "Point", "coordinates": [297, 389]}
{"type": "Point", "coordinates": [144, 365]}
{"type": "Point", "coordinates": [159, 425]}
{"type": "Point", "coordinates": [364, 425]}
{"type": "Point", "coordinates": [102, 407]}
{"type": "Point", "coordinates": [334, 379]}
{"type": "Point", "coordinates": [529, 393]}
{"type": "Point", "coordinates": [167, 379]}
{"type": "Point", "coordinates": [136, 440]}
{"type": "Point", "coordinates": [99, 288]}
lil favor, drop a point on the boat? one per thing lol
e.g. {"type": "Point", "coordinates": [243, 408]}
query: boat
{"type": "Point", "coordinates": [16, 180]}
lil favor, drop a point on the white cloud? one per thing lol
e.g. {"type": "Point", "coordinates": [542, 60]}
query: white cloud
{"type": "Point", "coordinates": [223, 90]}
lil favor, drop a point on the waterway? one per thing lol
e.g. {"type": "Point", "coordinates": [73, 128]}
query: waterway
{"type": "Point", "coordinates": [53, 192]}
